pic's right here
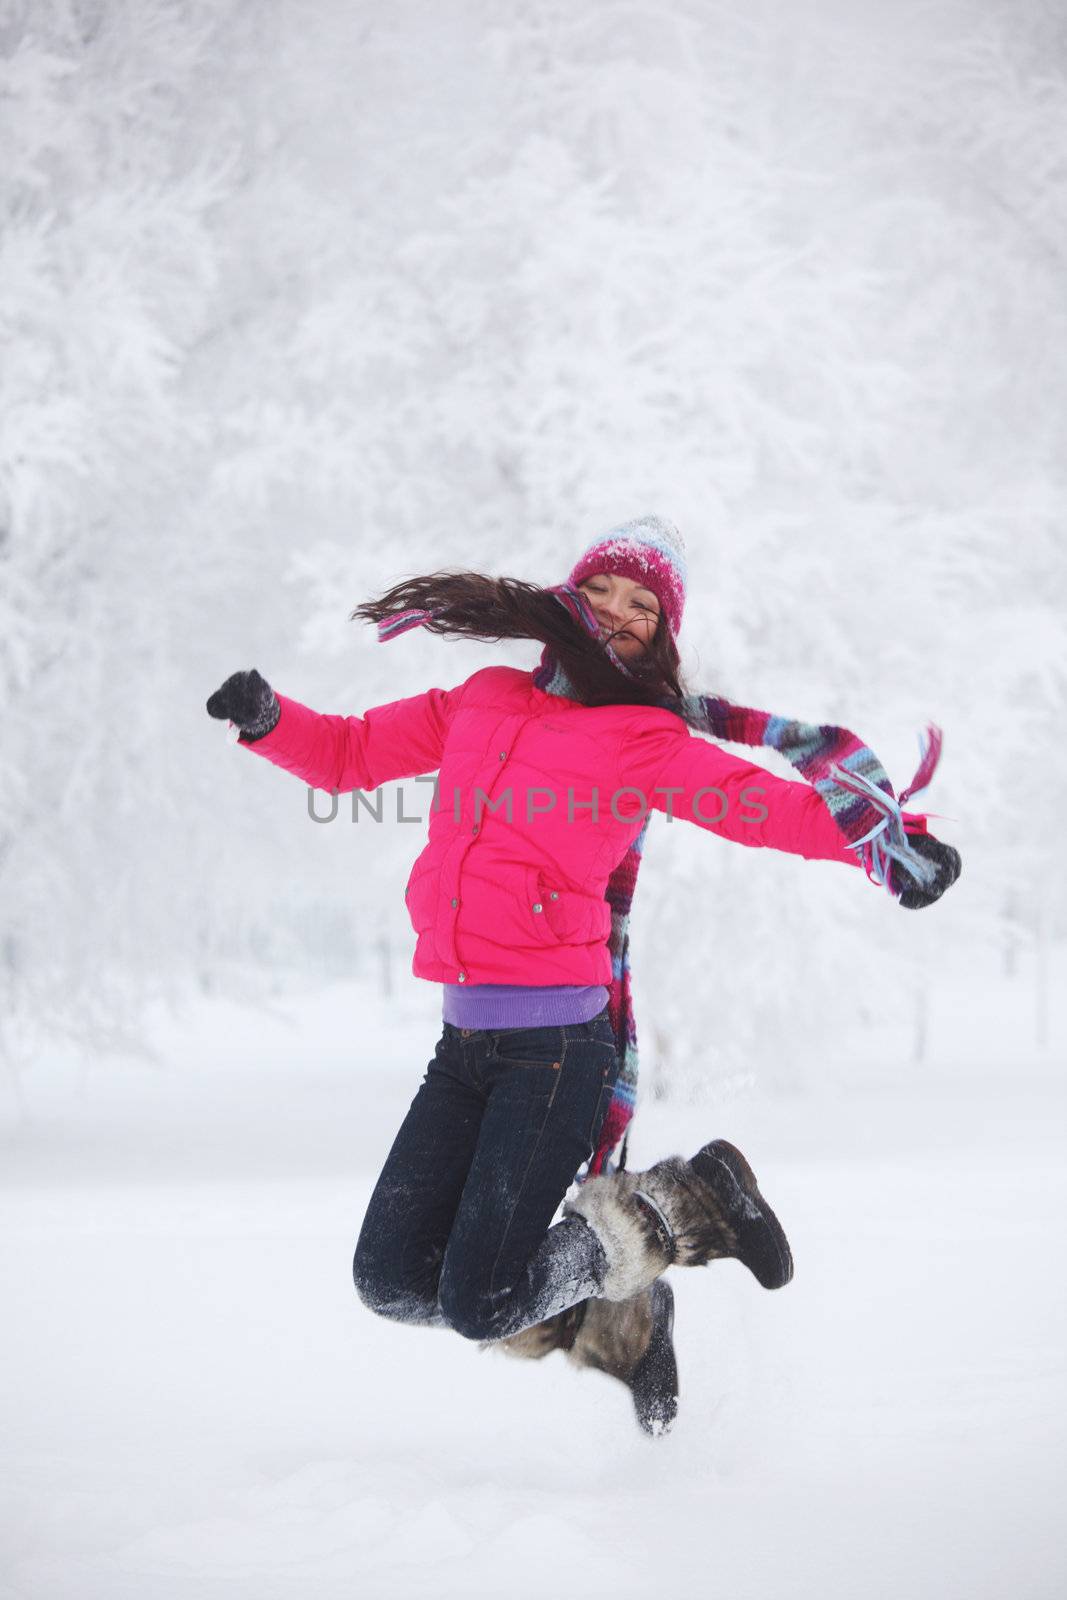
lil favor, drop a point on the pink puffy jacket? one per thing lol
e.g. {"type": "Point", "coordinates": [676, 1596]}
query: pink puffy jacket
{"type": "Point", "coordinates": [513, 892]}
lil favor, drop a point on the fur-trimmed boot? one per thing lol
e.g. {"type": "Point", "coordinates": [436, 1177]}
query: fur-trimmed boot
{"type": "Point", "coordinates": [628, 1339]}
{"type": "Point", "coordinates": [682, 1213]}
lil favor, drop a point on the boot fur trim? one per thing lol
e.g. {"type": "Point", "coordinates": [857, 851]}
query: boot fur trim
{"type": "Point", "coordinates": [635, 1243]}
{"type": "Point", "coordinates": [647, 1221]}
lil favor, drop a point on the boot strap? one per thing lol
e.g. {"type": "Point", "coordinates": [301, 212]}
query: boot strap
{"type": "Point", "coordinates": [658, 1220]}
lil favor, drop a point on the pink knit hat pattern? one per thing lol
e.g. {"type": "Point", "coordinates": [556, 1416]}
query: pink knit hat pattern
{"type": "Point", "coordinates": [651, 551]}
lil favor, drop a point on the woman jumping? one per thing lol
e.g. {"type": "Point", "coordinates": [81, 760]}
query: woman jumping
{"type": "Point", "coordinates": [520, 902]}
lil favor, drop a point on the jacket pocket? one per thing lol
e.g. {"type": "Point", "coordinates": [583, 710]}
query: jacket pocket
{"type": "Point", "coordinates": [557, 915]}
{"type": "Point", "coordinates": [420, 897]}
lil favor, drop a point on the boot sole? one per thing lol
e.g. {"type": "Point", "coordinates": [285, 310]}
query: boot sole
{"type": "Point", "coordinates": [655, 1380]}
{"type": "Point", "coordinates": [761, 1241]}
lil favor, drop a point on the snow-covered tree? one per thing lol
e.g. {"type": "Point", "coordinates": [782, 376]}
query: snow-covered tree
{"type": "Point", "coordinates": [295, 301]}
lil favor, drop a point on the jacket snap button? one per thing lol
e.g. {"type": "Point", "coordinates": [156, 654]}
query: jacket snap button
{"type": "Point", "coordinates": [537, 905]}
{"type": "Point", "coordinates": [455, 902]}
{"type": "Point", "coordinates": [553, 895]}
{"type": "Point", "coordinates": [463, 977]}
{"type": "Point", "coordinates": [475, 828]}
{"type": "Point", "coordinates": [503, 754]}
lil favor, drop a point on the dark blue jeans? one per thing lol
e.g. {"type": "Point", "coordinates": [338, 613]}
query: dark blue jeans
{"type": "Point", "coordinates": [457, 1231]}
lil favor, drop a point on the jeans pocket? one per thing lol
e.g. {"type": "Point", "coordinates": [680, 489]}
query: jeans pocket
{"type": "Point", "coordinates": [528, 1047]}
{"type": "Point", "coordinates": [598, 1030]}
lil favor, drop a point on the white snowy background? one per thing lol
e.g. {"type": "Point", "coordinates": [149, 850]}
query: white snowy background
{"type": "Point", "coordinates": [298, 297]}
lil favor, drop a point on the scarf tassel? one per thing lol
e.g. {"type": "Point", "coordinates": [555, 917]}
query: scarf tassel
{"type": "Point", "coordinates": [887, 841]}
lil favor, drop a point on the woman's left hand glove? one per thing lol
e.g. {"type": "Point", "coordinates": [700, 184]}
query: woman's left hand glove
{"type": "Point", "coordinates": [913, 895]}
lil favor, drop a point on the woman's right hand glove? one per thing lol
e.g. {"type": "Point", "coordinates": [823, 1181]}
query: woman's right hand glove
{"type": "Point", "coordinates": [249, 701]}
{"type": "Point", "coordinates": [912, 895]}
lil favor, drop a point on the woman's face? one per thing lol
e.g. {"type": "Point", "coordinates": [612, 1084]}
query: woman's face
{"type": "Point", "coordinates": [628, 613]}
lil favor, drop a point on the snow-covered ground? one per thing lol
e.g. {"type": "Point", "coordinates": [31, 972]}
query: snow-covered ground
{"type": "Point", "coordinates": [196, 1404]}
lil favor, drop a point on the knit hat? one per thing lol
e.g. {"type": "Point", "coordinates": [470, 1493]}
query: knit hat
{"type": "Point", "coordinates": [651, 551]}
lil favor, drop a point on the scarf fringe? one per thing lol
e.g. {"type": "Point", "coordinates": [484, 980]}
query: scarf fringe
{"type": "Point", "coordinates": [402, 622]}
{"type": "Point", "coordinates": [929, 756]}
{"type": "Point", "coordinates": [887, 841]}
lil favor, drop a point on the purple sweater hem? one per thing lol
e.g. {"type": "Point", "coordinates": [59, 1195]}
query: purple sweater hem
{"type": "Point", "coordinates": [510, 1005]}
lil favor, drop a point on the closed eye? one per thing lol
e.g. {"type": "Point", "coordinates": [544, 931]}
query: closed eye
{"type": "Point", "coordinates": [640, 604]}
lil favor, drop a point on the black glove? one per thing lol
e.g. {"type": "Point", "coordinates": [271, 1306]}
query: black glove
{"type": "Point", "coordinates": [911, 894]}
{"type": "Point", "coordinates": [249, 701]}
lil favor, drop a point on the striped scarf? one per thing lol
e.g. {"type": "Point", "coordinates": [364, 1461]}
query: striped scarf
{"type": "Point", "coordinates": [846, 773]}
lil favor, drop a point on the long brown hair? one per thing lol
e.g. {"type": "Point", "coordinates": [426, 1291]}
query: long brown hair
{"type": "Point", "coordinates": [472, 606]}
